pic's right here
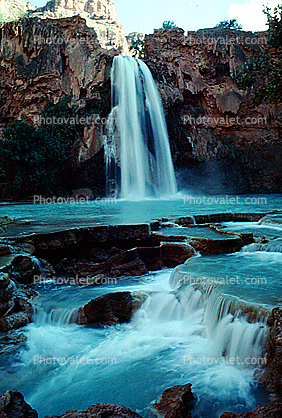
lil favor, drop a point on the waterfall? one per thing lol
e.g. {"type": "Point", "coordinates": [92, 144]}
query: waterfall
{"type": "Point", "coordinates": [270, 247]}
{"type": "Point", "coordinates": [38, 266]}
{"type": "Point", "coordinates": [182, 333]}
{"type": "Point", "coordinates": [232, 332]}
{"type": "Point", "coordinates": [56, 317]}
{"type": "Point", "coordinates": [137, 150]}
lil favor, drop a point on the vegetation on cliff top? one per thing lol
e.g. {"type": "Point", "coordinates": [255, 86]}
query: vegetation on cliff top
{"type": "Point", "coordinates": [262, 74]}
{"type": "Point", "coordinates": [230, 24]}
{"type": "Point", "coordinates": [169, 24]}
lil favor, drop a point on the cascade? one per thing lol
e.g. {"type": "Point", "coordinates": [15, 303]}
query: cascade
{"type": "Point", "coordinates": [56, 317]}
{"type": "Point", "coordinates": [270, 247]}
{"type": "Point", "coordinates": [137, 150]}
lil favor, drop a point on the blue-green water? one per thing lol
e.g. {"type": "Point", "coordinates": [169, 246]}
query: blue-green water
{"type": "Point", "coordinates": [174, 329]}
{"type": "Point", "coordinates": [46, 217]}
{"type": "Point", "coordinates": [167, 343]}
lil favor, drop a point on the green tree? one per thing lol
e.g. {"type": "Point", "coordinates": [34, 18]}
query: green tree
{"type": "Point", "coordinates": [169, 24]}
{"type": "Point", "coordinates": [38, 160]}
{"type": "Point", "coordinates": [137, 47]}
{"type": "Point", "coordinates": [262, 74]}
{"type": "Point", "coordinates": [229, 24]}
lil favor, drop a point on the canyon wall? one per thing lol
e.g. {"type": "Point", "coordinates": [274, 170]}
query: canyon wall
{"type": "Point", "coordinates": [219, 144]}
{"type": "Point", "coordinates": [99, 14]}
{"type": "Point", "coordinates": [44, 61]}
{"type": "Point", "coordinates": [12, 10]}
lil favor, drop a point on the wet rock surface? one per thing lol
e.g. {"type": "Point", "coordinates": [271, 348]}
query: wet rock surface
{"type": "Point", "coordinates": [269, 410]}
{"type": "Point", "coordinates": [174, 254]}
{"type": "Point", "coordinates": [272, 376]}
{"type": "Point", "coordinates": [100, 411]}
{"type": "Point", "coordinates": [126, 263]}
{"type": "Point", "coordinates": [111, 309]}
{"type": "Point", "coordinates": [13, 405]}
{"type": "Point", "coordinates": [15, 304]}
{"type": "Point", "coordinates": [176, 402]}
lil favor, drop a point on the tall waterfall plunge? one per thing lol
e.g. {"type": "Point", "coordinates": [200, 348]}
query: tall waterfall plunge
{"type": "Point", "coordinates": [137, 151]}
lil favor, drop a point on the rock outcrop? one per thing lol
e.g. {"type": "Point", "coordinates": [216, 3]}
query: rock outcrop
{"type": "Point", "coordinates": [13, 405]}
{"type": "Point", "coordinates": [176, 402]}
{"type": "Point", "coordinates": [174, 254]}
{"type": "Point", "coordinates": [45, 61]}
{"type": "Point", "coordinates": [99, 14]}
{"type": "Point", "coordinates": [16, 304]}
{"type": "Point", "coordinates": [269, 410]}
{"type": "Point", "coordinates": [272, 376]}
{"type": "Point", "coordinates": [218, 142]}
{"type": "Point", "coordinates": [12, 10]}
{"type": "Point", "coordinates": [110, 309]}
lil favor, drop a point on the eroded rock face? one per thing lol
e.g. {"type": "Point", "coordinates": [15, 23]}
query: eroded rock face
{"type": "Point", "coordinates": [61, 57]}
{"type": "Point", "coordinates": [12, 10]}
{"type": "Point", "coordinates": [176, 402]}
{"type": "Point", "coordinates": [111, 309]}
{"type": "Point", "coordinates": [217, 142]}
{"type": "Point", "coordinates": [22, 269]}
{"type": "Point", "coordinates": [5, 250]}
{"type": "Point", "coordinates": [15, 304]}
{"type": "Point", "coordinates": [272, 376]}
{"type": "Point", "coordinates": [47, 60]}
{"type": "Point", "coordinates": [99, 14]}
{"type": "Point", "coordinates": [13, 405]}
{"type": "Point", "coordinates": [269, 410]}
{"type": "Point", "coordinates": [174, 254]}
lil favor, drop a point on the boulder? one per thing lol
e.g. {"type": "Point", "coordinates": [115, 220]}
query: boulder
{"type": "Point", "coordinates": [100, 410]}
{"type": "Point", "coordinates": [110, 309]}
{"type": "Point", "coordinates": [176, 402]}
{"type": "Point", "coordinates": [9, 343]}
{"type": "Point", "coordinates": [15, 304]}
{"type": "Point", "coordinates": [269, 410]}
{"type": "Point", "coordinates": [14, 321]}
{"type": "Point", "coordinates": [83, 195]}
{"type": "Point", "coordinates": [13, 405]}
{"type": "Point", "coordinates": [6, 287]}
{"type": "Point", "coordinates": [23, 269]}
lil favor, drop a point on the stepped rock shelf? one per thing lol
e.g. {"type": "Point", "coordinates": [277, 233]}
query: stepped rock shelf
{"type": "Point", "coordinates": [101, 253]}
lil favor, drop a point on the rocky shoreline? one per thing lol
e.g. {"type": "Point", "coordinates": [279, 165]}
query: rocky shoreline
{"type": "Point", "coordinates": [89, 255]}
{"type": "Point", "coordinates": [175, 402]}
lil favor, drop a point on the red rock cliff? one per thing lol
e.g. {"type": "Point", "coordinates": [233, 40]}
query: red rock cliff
{"type": "Point", "coordinates": [217, 140]}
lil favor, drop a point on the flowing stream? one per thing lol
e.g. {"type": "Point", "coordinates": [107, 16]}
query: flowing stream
{"type": "Point", "coordinates": [182, 334]}
{"type": "Point", "coordinates": [187, 331]}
